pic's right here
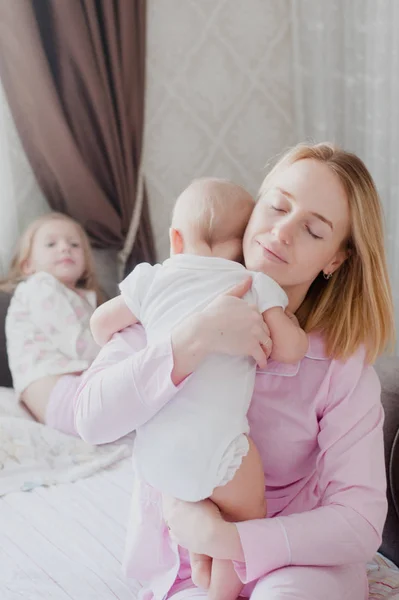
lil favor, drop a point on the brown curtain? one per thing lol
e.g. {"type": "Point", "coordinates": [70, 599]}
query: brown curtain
{"type": "Point", "coordinates": [74, 75]}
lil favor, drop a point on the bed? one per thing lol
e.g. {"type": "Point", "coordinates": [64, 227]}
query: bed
{"type": "Point", "coordinates": [65, 541]}
{"type": "Point", "coordinates": [63, 512]}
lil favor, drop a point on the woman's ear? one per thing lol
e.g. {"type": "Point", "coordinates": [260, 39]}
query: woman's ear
{"type": "Point", "coordinates": [176, 241]}
{"type": "Point", "coordinates": [339, 258]}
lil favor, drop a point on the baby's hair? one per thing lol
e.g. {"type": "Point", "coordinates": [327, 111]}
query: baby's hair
{"type": "Point", "coordinates": [202, 205]}
{"type": "Point", "coordinates": [88, 280]}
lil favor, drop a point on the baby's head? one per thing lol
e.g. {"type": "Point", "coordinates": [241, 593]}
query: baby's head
{"type": "Point", "coordinates": [209, 219]}
{"type": "Point", "coordinates": [58, 245]}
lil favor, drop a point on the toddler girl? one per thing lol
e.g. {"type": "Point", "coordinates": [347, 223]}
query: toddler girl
{"type": "Point", "coordinates": [49, 343]}
{"type": "Point", "coordinates": [197, 446]}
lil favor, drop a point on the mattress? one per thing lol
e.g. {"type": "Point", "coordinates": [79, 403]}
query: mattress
{"type": "Point", "coordinates": [66, 542]}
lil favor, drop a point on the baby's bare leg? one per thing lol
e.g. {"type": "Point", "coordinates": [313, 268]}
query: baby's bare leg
{"type": "Point", "coordinates": [201, 568]}
{"type": "Point", "coordinates": [241, 499]}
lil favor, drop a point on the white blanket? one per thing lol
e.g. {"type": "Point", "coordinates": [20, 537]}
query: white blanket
{"type": "Point", "coordinates": [33, 455]}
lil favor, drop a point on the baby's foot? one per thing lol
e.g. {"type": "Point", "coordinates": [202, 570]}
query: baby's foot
{"type": "Point", "coordinates": [201, 568]}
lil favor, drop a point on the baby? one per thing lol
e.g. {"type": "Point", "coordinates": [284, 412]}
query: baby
{"type": "Point", "coordinates": [197, 446]}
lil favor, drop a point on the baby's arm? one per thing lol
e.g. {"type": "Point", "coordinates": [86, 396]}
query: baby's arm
{"type": "Point", "coordinates": [290, 342]}
{"type": "Point", "coordinates": [109, 318]}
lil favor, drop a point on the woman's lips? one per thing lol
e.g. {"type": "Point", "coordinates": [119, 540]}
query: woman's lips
{"type": "Point", "coordinates": [271, 255]}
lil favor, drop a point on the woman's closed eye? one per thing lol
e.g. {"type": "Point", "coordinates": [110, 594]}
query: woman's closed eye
{"type": "Point", "coordinates": [314, 235]}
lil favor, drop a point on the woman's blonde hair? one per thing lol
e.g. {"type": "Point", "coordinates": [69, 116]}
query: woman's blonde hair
{"type": "Point", "coordinates": [88, 280]}
{"type": "Point", "coordinates": [355, 306]}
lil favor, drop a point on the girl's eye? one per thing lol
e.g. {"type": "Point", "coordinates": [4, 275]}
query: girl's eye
{"type": "Point", "coordinates": [50, 244]}
{"type": "Point", "coordinates": [316, 237]}
{"type": "Point", "coordinates": [277, 208]}
{"type": "Point", "coordinates": [75, 244]}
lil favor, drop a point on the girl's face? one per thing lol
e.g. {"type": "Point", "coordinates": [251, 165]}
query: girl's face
{"type": "Point", "coordinates": [57, 249]}
{"type": "Point", "coordinates": [298, 227]}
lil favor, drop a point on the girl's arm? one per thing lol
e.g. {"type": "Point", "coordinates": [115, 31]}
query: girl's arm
{"type": "Point", "coordinates": [51, 310]}
{"type": "Point", "coordinates": [129, 383]}
{"type": "Point", "coordinates": [109, 318]}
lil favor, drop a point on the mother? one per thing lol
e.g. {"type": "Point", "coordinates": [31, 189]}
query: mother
{"type": "Point", "coordinates": [317, 230]}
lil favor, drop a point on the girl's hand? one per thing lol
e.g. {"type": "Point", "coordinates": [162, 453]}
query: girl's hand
{"type": "Point", "coordinates": [199, 527]}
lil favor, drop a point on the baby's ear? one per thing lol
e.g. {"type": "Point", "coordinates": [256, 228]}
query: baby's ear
{"type": "Point", "coordinates": [176, 241]}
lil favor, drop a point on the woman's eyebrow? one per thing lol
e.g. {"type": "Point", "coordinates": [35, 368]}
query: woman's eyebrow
{"type": "Point", "coordinates": [318, 216]}
{"type": "Point", "coordinates": [314, 214]}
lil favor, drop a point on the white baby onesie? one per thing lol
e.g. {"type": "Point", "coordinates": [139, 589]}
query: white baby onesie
{"type": "Point", "coordinates": [48, 330]}
{"type": "Point", "coordinates": [196, 442]}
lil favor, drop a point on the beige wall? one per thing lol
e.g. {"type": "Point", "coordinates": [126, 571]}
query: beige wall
{"type": "Point", "coordinates": [219, 96]}
{"type": "Point", "coordinates": [219, 102]}
{"type": "Point", "coordinates": [21, 199]}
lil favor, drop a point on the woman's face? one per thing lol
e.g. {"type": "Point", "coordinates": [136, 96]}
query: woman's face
{"type": "Point", "coordinates": [298, 226]}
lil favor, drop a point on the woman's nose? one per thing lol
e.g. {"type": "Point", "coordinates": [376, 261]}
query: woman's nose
{"type": "Point", "coordinates": [284, 232]}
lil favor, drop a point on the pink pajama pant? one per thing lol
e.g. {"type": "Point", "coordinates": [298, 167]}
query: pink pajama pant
{"type": "Point", "coordinates": [60, 412]}
{"type": "Point", "coordinates": [347, 582]}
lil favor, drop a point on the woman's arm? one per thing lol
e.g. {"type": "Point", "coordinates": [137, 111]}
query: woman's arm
{"type": "Point", "coordinates": [125, 386]}
{"type": "Point", "coordinates": [129, 383]}
{"type": "Point", "coordinates": [345, 528]}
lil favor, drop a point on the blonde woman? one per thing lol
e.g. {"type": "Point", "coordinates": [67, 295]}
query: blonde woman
{"type": "Point", "coordinates": [317, 231]}
{"type": "Point", "coordinates": [49, 343]}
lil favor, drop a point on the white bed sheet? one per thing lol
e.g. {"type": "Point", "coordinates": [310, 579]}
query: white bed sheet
{"type": "Point", "coordinates": [66, 542]}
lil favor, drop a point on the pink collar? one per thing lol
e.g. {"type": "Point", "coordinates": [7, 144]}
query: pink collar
{"type": "Point", "coordinates": [316, 351]}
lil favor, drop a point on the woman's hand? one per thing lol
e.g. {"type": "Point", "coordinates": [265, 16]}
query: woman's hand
{"type": "Point", "coordinates": [199, 527]}
{"type": "Point", "coordinates": [228, 325]}
{"type": "Point", "coordinates": [235, 327]}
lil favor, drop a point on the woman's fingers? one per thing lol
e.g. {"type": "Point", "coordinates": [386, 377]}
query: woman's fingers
{"type": "Point", "coordinates": [264, 336]}
{"type": "Point", "coordinates": [259, 355]}
{"type": "Point", "coordinates": [240, 289]}
{"type": "Point", "coordinates": [263, 347]}
{"type": "Point", "coordinates": [267, 347]}
{"type": "Point", "coordinates": [266, 329]}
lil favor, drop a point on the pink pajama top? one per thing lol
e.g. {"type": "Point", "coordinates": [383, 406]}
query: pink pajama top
{"type": "Point", "coordinates": [318, 428]}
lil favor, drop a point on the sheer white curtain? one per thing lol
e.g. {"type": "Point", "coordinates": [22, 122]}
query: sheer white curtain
{"type": "Point", "coordinates": [346, 89]}
{"type": "Point", "coordinates": [20, 197]}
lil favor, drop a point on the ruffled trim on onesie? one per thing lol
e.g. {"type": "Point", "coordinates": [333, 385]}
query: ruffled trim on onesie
{"type": "Point", "coordinates": [232, 459]}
